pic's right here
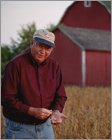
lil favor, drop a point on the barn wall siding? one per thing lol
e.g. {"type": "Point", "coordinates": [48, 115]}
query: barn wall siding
{"type": "Point", "coordinates": [68, 56]}
{"type": "Point", "coordinates": [94, 17]}
{"type": "Point", "coordinates": [98, 68]}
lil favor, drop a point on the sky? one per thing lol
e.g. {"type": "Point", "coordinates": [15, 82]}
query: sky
{"type": "Point", "coordinates": [17, 13]}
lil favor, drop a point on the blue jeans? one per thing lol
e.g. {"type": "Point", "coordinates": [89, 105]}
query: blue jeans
{"type": "Point", "coordinates": [16, 130]}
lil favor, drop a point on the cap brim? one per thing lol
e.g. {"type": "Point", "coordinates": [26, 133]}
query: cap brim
{"type": "Point", "coordinates": [40, 40]}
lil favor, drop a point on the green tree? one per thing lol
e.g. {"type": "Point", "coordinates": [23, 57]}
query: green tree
{"type": "Point", "coordinates": [17, 47]}
{"type": "Point", "coordinates": [50, 26]}
{"type": "Point", "coordinates": [23, 42]}
{"type": "Point", "coordinates": [6, 55]}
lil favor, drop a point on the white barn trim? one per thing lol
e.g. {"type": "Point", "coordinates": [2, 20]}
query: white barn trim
{"type": "Point", "coordinates": [83, 67]}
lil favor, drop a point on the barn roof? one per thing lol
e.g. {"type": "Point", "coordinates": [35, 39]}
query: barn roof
{"type": "Point", "coordinates": [88, 39]}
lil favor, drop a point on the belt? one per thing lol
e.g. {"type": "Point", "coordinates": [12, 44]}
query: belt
{"type": "Point", "coordinates": [34, 123]}
{"type": "Point", "coordinates": [37, 123]}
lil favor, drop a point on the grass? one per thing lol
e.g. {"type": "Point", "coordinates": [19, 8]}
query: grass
{"type": "Point", "coordinates": [89, 114]}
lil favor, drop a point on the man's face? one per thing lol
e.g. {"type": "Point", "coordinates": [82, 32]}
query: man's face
{"type": "Point", "coordinates": [40, 51]}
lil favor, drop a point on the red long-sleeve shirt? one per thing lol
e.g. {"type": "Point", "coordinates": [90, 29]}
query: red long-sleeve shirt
{"type": "Point", "coordinates": [26, 84]}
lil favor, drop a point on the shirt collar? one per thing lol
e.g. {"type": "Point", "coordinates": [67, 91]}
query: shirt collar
{"type": "Point", "coordinates": [33, 61]}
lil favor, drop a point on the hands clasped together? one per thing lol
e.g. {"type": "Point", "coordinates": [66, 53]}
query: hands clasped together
{"type": "Point", "coordinates": [42, 113]}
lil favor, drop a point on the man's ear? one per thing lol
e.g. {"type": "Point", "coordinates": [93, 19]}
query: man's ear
{"type": "Point", "coordinates": [31, 42]}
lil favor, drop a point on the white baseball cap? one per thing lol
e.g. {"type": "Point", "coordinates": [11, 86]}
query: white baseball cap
{"type": "Point", "coordinates": [45, 37]}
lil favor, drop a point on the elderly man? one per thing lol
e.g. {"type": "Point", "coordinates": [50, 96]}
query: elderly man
{"type": "Point", "coordinates": [33, 94]}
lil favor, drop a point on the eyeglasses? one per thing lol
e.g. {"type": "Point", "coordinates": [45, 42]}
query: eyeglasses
{"type": "Point", "coordinates": [41, 47]}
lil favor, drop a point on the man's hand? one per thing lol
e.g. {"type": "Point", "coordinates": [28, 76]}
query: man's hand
{"type": "Point", "coordinates": [40, 113]}
{"type": "Point", "coordinates": [56, 117]}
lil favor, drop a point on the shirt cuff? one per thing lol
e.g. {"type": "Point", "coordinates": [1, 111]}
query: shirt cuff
{"type": "Point", "coordinates": [24, 108]}
{"type": "Point", "coordinates": [57, 108]}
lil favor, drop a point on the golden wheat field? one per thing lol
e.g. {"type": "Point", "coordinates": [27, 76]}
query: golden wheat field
{"type": "Point", "coordinates": [89, 114]}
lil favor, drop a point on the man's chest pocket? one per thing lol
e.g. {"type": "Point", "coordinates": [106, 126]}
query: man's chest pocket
{"type": "Point", "coordinates": [51, 86]}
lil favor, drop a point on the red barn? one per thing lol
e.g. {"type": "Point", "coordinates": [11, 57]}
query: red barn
{"type": "Point", "coordinates": [87, 14]}
{"type": "Point", "coordinates": [83, 46]}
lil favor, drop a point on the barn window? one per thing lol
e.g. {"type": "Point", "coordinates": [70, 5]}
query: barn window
{"type": "Point", "coordinates": [87, 3]}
